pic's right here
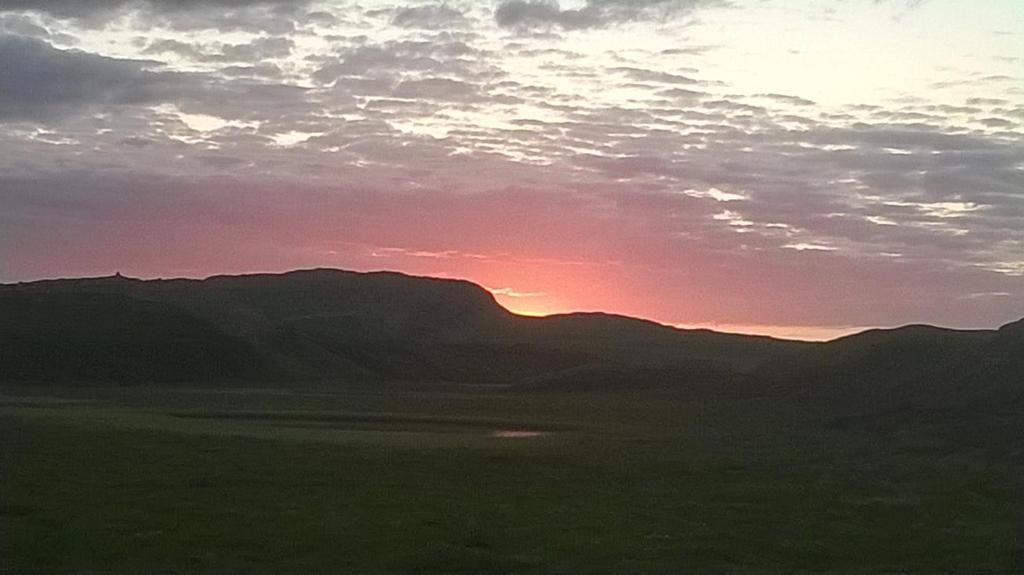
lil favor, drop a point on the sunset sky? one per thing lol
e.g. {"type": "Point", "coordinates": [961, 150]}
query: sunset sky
{"type": "Point", "coordinates": [803, 168]}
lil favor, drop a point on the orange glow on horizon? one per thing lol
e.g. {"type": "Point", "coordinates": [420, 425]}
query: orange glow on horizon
{"type": "Point", "coordinates": [540, 305]}
{"type": "Point", "coordinates": [532, 307]}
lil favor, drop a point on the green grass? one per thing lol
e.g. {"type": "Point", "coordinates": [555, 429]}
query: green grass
{"type": "Point", "coordinates": [158, 480]}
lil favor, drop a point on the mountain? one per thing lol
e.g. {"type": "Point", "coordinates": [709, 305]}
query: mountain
{"type": "Point", "coordinates": [338, 325]}
{"type": "Point", "coordinates": [997, 365]}
{"type": "Point", "coordinates": [335, 325]}
{"type": "Point", "coordinates": [110, 337]}
{"type": "Point", "coordinates": [913, 364]}
{"type": "Point", "coordinates": [887, 358]}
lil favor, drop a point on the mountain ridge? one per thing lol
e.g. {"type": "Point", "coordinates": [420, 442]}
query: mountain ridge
{"type": "Point", "coordinates": [329, 324]}
{"type": "Point", "coordinates": [122, 280]}
{"type": "Point", "coordinates": [54, 283]}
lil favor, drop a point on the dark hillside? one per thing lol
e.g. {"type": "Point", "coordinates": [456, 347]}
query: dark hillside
{"type": "Point", "coordinates": [997, 366]}
{"type": "Point", "coordinates": [637, 342]}
{"type": "Point", "coordinates": [368, 305]}
{"type": "Point", "coordinates": [335, 325]}
{"type": "Point", "coordinates": [338, 325]}
{"type": "Point", "coordinates": [110, 337]}
{"type": "Point", "coordinates": [876, 361]}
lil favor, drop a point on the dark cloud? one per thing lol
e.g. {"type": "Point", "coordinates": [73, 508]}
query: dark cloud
{"type": "Point", "coordinates": [257, 50]}
{"type": "Point", "coordinates": [66, 8]}
{"type": "Point", "coordinates": [997, 122]}
{"type": "Point", "coordinates": [41, 83]}
{"type": "Point", "coordinates": [437, 89]}
{"type": "Point", "coordinates": [171, 46]}
{"type": "Point", "coordinates": [273, 16]}
{"type": "Point", "coordinates": [137, 142]}
{"type": "Point", "coordinates": [388, 63]}
{"type": "Point", "coordinates": [526, 14]}
{"type": "Point", "coordinates": [642, 75]}
{"type": "Point", "coordinates": [731, 106]}
{"type": "Point", "coordinates": [262, 70]}
{"type": "Point", "coordinates": [681, 93]}
{"type": "Point", "coordinates": [87, 9]}
{"type": "Point", "coordinates": [220, 161]}
{"type": "Point", "coordinates": [595, 14]}
{"type": "Point", "coordinates": [429, 17]}
{"type": "Point", "coordinates": [38, 81]}
{"type": "Point", "coordinates": [22, 26]}
{"type": "Point", "coordinates": [787, 99]}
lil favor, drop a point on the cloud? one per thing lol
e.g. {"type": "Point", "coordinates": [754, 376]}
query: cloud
{"type": "Point", "coordinates": [642, 75]}
{"type": "Point", "coordinates": [787, 99]}
{"type": "Point", "coordinates": [22, 26]}
{"type": "Point", "coordinates": [360, 132]}
{"type": "Point", "coordinates": [40, 81]}
{"type": "Point", "coordinates": [65, 8]}
{"type": "Point", "coordinates": [258, 50]}
{"type": "Point", "coordinates": [428, 17]}
{"type": "Point", "coordinates": [502, 237]}
{"type": "Point", "coordinates": [171, 46]}
{"type": "Point", "coordinates": [43, 84]}
{"type": "Point", "coordinates": [525, 14]}
{"type": "Point", "coordinates": [439, 55]}
{"type": "Point", "coordinates": [437, 89]}
{"type": "Point", "coordinates": [273, 16]}
{"type": "Point", "coordinates": [86, 9]}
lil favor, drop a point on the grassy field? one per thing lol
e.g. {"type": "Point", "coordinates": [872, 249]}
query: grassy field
{"type": "Point", "coordinates": [162, 480]}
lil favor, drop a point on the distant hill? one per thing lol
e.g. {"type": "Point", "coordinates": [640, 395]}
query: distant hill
{"type": "Point", "coordinates": [915, 364]}
{"type": "Point", "coordinates": [111, 337]}
{"type": "Point", "coordinates": [997, 365]}
{"type": "Point", "coordinates": [887, 358]}
{"type": "Point", "coordinates": [339, 325]}
{"type": "Point", "coordinates": [334, 325]}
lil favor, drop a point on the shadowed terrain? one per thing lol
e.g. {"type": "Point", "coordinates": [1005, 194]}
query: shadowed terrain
{"type": "Point", "coordinates": [332, 324]}
{"type": "Point", "coordinates": [329, 421]}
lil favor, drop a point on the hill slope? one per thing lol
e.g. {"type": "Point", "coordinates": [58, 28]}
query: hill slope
{"type": "Point", "coordinates": [911, 365]}
{"type": "Point", "coordinates": [335, 325]}
{"type": "Point", "coordinates": [110, 337]}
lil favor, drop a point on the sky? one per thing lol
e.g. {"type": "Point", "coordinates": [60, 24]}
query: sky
{"type": "Point", "coordinates": [799, 168]}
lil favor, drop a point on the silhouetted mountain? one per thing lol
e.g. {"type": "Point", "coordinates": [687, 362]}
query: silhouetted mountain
{"type": "Point", "coordinates": [997, 365]}
{"type": "Point", "coordinates": [880, 359]}
{"type": "Point", "coordinates": [372, 306]}
{"type": "Point", "coordinates": [111, 337]}
{"type": "Point", "coordinates": [915, 364]}
{"type": "Point", "coordinates": [625, 351]}
{"type": "Point", "coordinates": [337, 325]}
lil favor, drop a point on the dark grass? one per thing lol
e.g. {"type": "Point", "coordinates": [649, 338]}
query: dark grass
{"type": "Point", "coordinates": [627, 484]}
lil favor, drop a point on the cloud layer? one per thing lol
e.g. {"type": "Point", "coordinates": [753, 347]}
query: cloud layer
{"type": "Point", "coordinates": [690, 177]}
{"type": "Point", "coordinates": [593, 14]}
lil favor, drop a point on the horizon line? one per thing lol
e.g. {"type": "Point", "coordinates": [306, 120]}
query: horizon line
{"type": "Point", "coordinates": [843, 331]}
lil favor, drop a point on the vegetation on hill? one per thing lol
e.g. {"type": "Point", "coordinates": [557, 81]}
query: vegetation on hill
{"type": "Point", "coordinates": [334, 325]}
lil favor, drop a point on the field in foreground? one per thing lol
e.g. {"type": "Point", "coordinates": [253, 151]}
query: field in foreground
{"type": "Point", "coordinates": [163, 480]}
